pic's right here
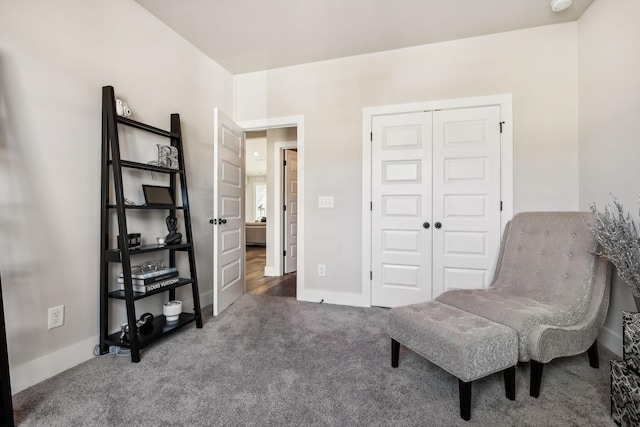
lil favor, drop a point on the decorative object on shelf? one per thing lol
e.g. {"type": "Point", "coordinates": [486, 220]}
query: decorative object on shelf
{"type": "Point", "coordinates": [147, 267]}
{"type": "Point", "coordinates": [617, 234]}
{"type": "Point", "coordinates": [122, 109]}
{"type": "Point", "coordinates": [133, 240]}
{"type": "Point", "coordinates": [160, 241]}
{"type": "Point", "coordinates": [173, 238]}
{"type": "Point", "coordinates": [172, 310]}
{"type": "Point", "coordinates": [167, 156]}
{"type": "Point", "coordinates": [157, 195]}
{"type": "Point", "coordinates": [144, 326]}
{"type": "Point", "coordinates": [625, 377]}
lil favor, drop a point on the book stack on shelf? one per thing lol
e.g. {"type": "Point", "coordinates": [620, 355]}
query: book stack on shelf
{"type": "Point", "coordinates": [151, 281]}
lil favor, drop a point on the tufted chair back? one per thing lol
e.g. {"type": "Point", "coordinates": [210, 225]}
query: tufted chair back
{"type": "Point", "coordinates": [549, 286]}
{"type": "Point", "coordinates": [549, 256]}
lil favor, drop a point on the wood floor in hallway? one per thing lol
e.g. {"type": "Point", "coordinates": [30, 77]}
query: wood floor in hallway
{"type": "Point", "coordinates": [258, 283]}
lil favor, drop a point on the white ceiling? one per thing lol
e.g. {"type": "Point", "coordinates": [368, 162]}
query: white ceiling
{"type": "Point", "coordinates": [253, 35]}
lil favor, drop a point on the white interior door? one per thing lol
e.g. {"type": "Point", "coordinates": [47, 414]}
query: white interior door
{"type": "Point", "coordinates": [435, 214]}
{"type": "Point", "coordinates": [401, 209]}
{"type": "Point", "coordinates": [291, 211]}
{"type": "Point", "coordinates": [466, 197]}
{"type": "Point", "coordinates": [228, 211]}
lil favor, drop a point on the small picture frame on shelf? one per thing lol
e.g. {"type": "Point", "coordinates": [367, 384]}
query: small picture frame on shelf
{"type": "Point", "coordinates": [156, 195]}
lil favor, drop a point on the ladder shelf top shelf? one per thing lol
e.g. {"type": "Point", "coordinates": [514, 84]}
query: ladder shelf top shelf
{"type": "Point", "coordinates": [146, 127]}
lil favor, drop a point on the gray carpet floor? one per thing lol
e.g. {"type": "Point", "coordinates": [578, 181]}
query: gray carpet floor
{"type": "Point", "coordinates": [274, 361]}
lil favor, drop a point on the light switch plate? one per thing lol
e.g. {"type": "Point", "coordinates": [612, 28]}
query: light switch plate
{"type": "Point", "coordinates": [325, 202]}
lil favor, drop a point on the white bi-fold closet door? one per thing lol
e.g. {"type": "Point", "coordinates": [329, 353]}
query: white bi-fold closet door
{"type": "Point", "coordinates": [435, 210]}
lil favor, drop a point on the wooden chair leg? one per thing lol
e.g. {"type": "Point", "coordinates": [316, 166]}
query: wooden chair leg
{"type": "Point", "coordinates": [395, 353]}
{"type": "Point", "coordinates": [536, 378]}
{"type": "Point", "coordinates": [465, 399]}
{"type": "Point", "coordinates": [510, 383]}
{"type": "Point", "coordinates": [593, 355]}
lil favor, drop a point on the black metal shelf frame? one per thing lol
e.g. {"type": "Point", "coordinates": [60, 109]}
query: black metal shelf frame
{"type": "Point", "coordinates": [112, 173]}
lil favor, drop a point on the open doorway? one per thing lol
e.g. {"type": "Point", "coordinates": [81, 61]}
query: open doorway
{"type": "Point", "coordinates": [271, 211]}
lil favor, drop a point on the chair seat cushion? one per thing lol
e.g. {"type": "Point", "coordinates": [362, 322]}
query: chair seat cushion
{"type": "Point", "coordinates": [518, 310]}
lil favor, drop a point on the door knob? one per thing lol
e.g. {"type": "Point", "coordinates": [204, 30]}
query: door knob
{"type": "Point", "coordinates": [426, 225]}
{"type": "Point", "coordinates": [437, 225]}
{"type": "Point", "coordinates": [222, 221]}
{"type": "Point", "coordinates": [212, 221]}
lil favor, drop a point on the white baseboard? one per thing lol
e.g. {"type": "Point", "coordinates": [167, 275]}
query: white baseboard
{"type": "Point", "coordinates": [33, 372]}
{"type": "Point", "coordinates": [339, 298]}
{"type": "Point", "coordinates": [270, 271]}
{"type": "Point", "coordinates": [611, 340]}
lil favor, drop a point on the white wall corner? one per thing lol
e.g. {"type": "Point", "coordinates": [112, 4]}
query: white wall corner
{"type": "Point", "coordinates": [611, 340]}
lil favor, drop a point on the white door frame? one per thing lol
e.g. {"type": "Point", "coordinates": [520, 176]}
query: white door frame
{"type": "Point", "coordinates": [274, 123]}
{"type": "Point", "coordinates": [505, 101]}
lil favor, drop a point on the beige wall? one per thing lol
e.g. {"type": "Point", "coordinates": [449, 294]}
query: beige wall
{"type": "Point", "coordinates": [54, 59]}
{"type": "Point", "coordinates": [609, 130]}
{"type": "Point", "coordinates": [538, 66]}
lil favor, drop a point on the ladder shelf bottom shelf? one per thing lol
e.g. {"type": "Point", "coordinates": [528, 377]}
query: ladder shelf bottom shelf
{"type": "Point", "coordinates": [160, 328]}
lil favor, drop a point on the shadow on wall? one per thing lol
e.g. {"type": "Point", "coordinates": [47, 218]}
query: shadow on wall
{"type": "Point", "coordinates": [22, 258]}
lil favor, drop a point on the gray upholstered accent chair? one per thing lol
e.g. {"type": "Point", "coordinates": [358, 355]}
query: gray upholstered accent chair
{"type": "Point", "coordinates": [548, 286]}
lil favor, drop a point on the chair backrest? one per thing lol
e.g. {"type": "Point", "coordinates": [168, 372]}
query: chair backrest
{"type": "Point", "coordinates": [550, 258]}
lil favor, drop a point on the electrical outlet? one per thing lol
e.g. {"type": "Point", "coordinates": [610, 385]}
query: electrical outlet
{"type": "Point", "coordinates": [56, 316]}
{"type": "Point", "coordinates": [322, 270]}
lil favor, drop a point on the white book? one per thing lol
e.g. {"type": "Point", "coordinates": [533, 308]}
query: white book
{"type": "Point", "coordinates": [151, 273]}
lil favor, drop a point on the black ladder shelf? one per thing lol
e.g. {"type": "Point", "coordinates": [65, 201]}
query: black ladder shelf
{"type": "Point", "coordinates": [112, 168]}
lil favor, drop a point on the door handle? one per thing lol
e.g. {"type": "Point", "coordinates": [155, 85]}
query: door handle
{"type": "Point", "coordinates": [222, 221]}
{"type": "Point", "coordinates": [426, 225]}
{"type": "Point", "coordinates": [437, 225]}
{"type": "Point", "coordinates": [212, 221]}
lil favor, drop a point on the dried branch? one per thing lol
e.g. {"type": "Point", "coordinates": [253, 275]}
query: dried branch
{"type": "Point", "coordinates": [617, 234]}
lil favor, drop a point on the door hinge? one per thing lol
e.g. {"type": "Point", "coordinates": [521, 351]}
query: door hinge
{"type": "Point", "coordinates": [284, 207]}
{"type": "Point", "coordinates": [284, 253]}
{"type": "Point", "coordinates": [501, 123]}
{"type": "Point", "coordinates": [285, 163]}
{"type": "Point", "coordinates": [371, 206]}
{"type": "Point", "coordinates": [500, 205]}
{"type": "Point", "coordinates": [371, 275]}
{"type": "Point", "coordinates": [371, 136]}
